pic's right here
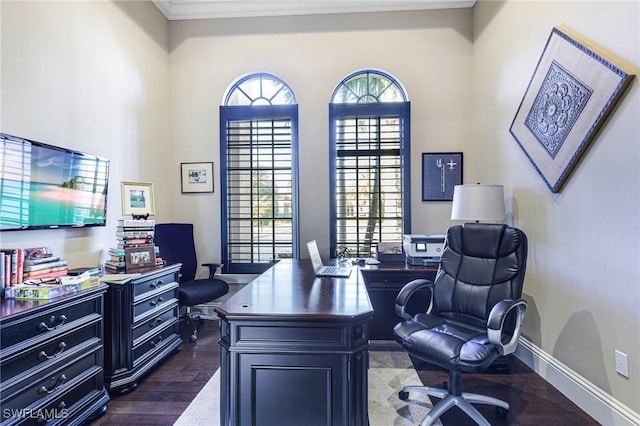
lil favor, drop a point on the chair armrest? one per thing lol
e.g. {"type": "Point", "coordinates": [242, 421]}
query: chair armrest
{"type": "Point", "coordinates": [213, 267]}
{"type": "Point", "coordinates": [496, 322]}
{"type": "Point", "coordinates": [405, 294]}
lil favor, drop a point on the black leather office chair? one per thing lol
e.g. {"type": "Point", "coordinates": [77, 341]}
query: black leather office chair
{"type": "Point", "coordinates": [474, 316]}
{"type": "Point", "coordinates": [176, 244]}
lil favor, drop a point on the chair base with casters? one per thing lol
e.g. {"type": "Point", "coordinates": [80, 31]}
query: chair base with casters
{"type": "Point", "coordinates": [453, 396]}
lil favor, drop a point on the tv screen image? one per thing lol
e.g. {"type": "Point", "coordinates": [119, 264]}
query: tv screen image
{"type": "Point", "coordinates": [44, 186]}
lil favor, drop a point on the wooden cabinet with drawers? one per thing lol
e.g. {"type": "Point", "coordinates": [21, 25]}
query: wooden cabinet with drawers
{"type": "Point", "coordinates": [51, 358]}
{"type": "Point", "coordinates": [141, 326]}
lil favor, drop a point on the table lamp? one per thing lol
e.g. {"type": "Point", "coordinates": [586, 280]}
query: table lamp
{"type": "Point", "coordinates": [478, 203]}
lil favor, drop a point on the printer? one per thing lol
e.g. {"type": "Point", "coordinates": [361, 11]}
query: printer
{"type": "Point", "coordinates": [423, 250]}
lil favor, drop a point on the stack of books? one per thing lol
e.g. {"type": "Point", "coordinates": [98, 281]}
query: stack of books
{"type": "Point", "coordinates": [134, 237]}
{"type": "Point", "coordinates": [40, 263]}
{"type": "Point", "coordinates": [24, 266]}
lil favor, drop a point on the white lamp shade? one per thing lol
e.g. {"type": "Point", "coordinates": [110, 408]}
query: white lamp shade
{"type": "Point", "coordinates": [482, 203]}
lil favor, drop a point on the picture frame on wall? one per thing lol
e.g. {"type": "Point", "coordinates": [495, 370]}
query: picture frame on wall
{"type": "Point", "coordinates": [137, 199]}
{"type": "Point", "coordinates": [571, 93]}
{"type": "Point", "coordinates": [197, 177]}
{"type": "Point", "coordinates": [441, 172]}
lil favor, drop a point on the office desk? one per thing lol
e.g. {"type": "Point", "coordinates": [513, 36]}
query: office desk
{"type": "Point", "coordinates": [294, 349]}
{"type": "Point", "coordinates": [383, 282]}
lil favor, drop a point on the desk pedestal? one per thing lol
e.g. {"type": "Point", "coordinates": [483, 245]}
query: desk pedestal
{"type": "Point", "coordinates": [284, 373]}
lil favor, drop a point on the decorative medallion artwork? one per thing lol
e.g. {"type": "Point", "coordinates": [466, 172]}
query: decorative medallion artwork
{"type": "Point", "coordinates": [572, 91]}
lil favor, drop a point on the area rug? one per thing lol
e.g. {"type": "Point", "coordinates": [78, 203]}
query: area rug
{"type": "Point", "coordinates": [390, 368]}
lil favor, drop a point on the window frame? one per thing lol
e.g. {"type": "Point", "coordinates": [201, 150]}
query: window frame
{"type": "Point", "coordinates": [257, 112]}
{"type": "Point", "coordinates": [401, 110]}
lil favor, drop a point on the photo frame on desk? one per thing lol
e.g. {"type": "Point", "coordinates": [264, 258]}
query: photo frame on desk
{"type": "Point", "coordinates": [139, 257]}
{"type": "Point", "coordinates": [196, 177]}
{"type": "Point", "coordinates": [441, 171]}
{"type": "Point", "coordinates": [137, 199]}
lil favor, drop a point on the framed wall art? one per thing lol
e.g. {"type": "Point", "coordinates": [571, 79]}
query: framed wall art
{"type": "Point", "coordinates": [572, 91]}
{"type": "Point", "coordinates": [197, 177]}
{"type": "Point", "coordinates": [137, 199]}
{"type": "Point", "coordinates": [441, 171]}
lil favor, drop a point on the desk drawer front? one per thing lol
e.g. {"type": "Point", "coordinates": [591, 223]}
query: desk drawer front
{"type": "Point", "coordinates": [153, 284]}
{"type": "Point", "coordinates": [294, 336]}
{"type": "Point", "coordinates": [48, 322]}
{"type": "Point", "coordinates": [47, 352]}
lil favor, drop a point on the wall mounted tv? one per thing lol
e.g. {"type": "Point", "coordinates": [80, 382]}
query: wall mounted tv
{"type": "Point", "coordinates": [43, 186]}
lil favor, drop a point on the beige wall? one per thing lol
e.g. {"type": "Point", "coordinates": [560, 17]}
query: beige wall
{"type": "Point", "coordinates": [118, 80]}
{"type": "Point", "coordinates": [91, 76]}
{"type": "Point", "coordinates": [428, 52]}
{"type": "Point", "coordinates": [583, 278]}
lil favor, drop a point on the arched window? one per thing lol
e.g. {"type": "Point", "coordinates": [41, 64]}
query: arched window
{"type": "Point", "coordinates": [369, 119]}
{"type": "Point", "coordinates": [259, 156]}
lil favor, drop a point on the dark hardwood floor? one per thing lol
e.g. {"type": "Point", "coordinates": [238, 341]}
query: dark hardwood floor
{"type": "Point", "coordinates": [161, 397]}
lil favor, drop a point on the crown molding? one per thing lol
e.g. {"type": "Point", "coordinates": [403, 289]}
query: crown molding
{"type": "Point", "coordinates": [175, 10]}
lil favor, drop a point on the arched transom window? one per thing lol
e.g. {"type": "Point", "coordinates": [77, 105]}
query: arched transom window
{"type": "Point", "coordinates": [259, 173]}
{"type": "Point", "coordinates": [369, 162]}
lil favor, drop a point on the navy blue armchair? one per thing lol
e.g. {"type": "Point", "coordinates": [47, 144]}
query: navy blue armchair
{"type": "Point", "coordinates": [176, 244]}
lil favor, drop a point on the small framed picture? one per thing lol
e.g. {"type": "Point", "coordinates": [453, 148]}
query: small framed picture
{"type": "Point", "coordinates": [137, 199]}
{"type": "Point", "coordinates": [139, 257]}
{"type": "Point", "coordinates": [441, 171]}
{"type": "Point", "coordinates": [197, 177]}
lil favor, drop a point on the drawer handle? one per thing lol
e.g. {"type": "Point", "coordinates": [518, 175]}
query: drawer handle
{"type": "Point", "coordinates": [157, 284]}
{"type": "Point", "coordinates": [157, 302]}
{"type": "Point", "coordinates": [44, 327]}
{"type": "Point", "coordinates": [154, 344]}
{"type": "Point", "coordinates": [155, 322]}
{"type": "Point", "coordinates": [56, 383]}
{"type": "Point", "coordinates": [61, 347]}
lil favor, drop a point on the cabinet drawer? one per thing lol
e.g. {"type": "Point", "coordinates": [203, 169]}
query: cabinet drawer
{"type": "Point", "coordinates": [47, 322]}
{"type": "Point", "coordinates": [17, 360]}
{"type": "Point", "coordinates": [58, 409]}
{"type": "Point", "coordinates": [153, 284]}
{"type": "Point", "coordinates": [154, 302]}
{"type": "Point", "coordinates": [151, 323]}
{"type": "Point", "coordinates": [153, 343]}
{"type": "Point", "coordinates": [52, 383]}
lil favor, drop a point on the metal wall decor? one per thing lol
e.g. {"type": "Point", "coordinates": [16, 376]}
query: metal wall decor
{"type": "Point", "coordinates": [441, 171]}
{"type": "Point", "coordinates": [572, 91]}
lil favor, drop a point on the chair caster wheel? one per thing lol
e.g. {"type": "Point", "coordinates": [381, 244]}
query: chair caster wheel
{"type": "Point", "coordinates": [403, 395]}
{"type": "Point", "coordinates": [193, 338]}
{"type": "Point", "coordinates": [501, 411]}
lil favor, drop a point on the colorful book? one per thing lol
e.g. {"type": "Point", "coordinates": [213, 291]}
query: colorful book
{"type": "Point", "coordinates": [61, 262]}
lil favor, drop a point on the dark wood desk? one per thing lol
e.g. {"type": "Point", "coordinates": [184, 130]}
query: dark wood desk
{"type": "Point", "coordinates": [294, 350]}
{"type": "Point", "coordinates": [383, 282]}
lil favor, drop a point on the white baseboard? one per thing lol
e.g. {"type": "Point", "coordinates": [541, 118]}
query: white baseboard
{"type": "Point", "coordinates": [605, 409]}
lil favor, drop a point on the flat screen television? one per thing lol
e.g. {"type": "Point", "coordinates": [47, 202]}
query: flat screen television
{"type": "Point", "coordinates": [44, 186]}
